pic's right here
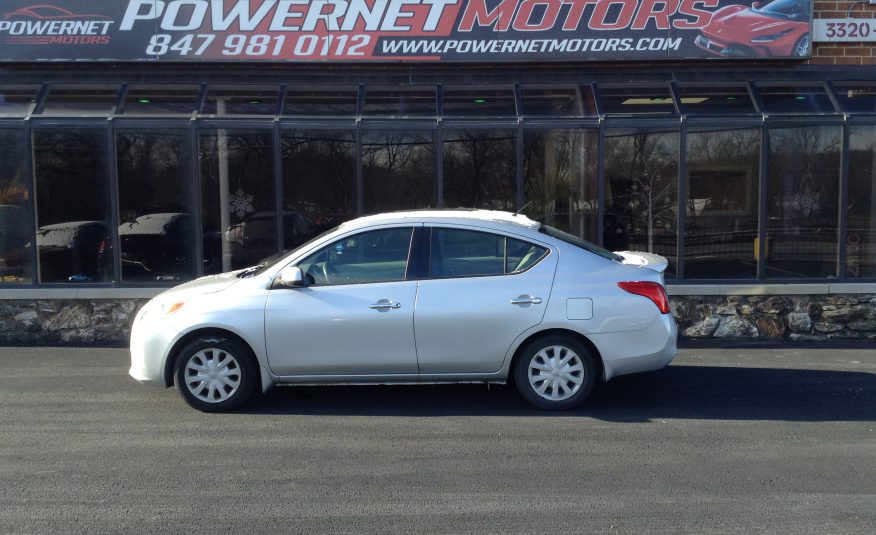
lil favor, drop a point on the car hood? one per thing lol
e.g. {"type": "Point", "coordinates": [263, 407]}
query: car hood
{"type": "Point", "coordinates": [204, 285]}
{"type": "Point", "coordinates": [648, 260]}
{"type": "Point", "coordinates": [749, 21]}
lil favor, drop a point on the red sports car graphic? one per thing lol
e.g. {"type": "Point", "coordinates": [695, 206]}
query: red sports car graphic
{"type": "Point", "coordinates": [47, 12]}
{"type": "Point", "coordinates": [779, 28]}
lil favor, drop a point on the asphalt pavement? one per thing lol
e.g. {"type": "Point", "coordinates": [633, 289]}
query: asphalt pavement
{"type": "Point", "coordinates": [747, 440]}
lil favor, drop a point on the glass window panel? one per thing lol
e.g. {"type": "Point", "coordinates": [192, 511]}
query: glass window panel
{"type": "Point", "coordinates": [79, 100]}
{"type": "Point", "coordinates": [465, 253]}
{"type": "Point", "coordinates": [17, 101]}
{"type": "Point", "coordinates": [374, 256]}
{"type": "Point", "coordinates": [15, 222]}
{"type": "Point", "coordinates": [710, 100]}
{"type": "Point", "coordinates": [398, 170]}
{"type": "Point", "coordinates": [244, 100]}
{"type": "Point", "coordinates": [557, 101]}
{"type": "Point", "coordinates": [721, 210]}
{"type": "Point", "coordinates": [473, 101]}
{"type": "Point", "coordinates": [856, 98]}
{"type": "Point", "coordinates": [560, 180]}
{"type": "Point", "coordinates": [400, 101]}
{"type": "Point", "coordinates": [480, 169]}
{"type": "Point", "coordinates": [795, 99]}
{"type": "Point", "coordinates": [329, 101]}
{"type": "Point", "coordinates": [521, 255]}
{"type": "Point", "coordinates": [160, 100]}
{"type": "Point", "coordinates": [622, 100]}
{"type": "Point", "coordinates": [319, 183]}
{"type": "Point", "coordinates": [861, 237]}
{"type": "Point", "coordinates": [156, 227]}
{"type": "Point", "coordinates": [74, 238]}
{"type": "Point", "coordinates": [641, 181]}
{"type": "Point", "coordinates": [237, 198]}
{"type": "Point", "coordinates": [804, 168]}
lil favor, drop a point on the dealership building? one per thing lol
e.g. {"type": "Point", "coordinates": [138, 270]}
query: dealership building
{"type": "Point", "coordinates": [144, 143]}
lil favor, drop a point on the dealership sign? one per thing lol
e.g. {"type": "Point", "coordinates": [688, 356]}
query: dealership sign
{"type": "Point", "coordinates": [400, 30]}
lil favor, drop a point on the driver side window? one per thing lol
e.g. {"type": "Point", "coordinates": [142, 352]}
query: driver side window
{"type": "Point", "coordinates": [373, 256]}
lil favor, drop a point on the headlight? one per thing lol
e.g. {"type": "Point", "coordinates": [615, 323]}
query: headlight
{"type": "Point", "coordinates": [158, 309]}
{"type": "Point", "coordinates": [770, 38]}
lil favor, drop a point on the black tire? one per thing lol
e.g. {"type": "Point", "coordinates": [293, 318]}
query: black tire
{"type": "Point", "coordinates": [229, 369]}
{"type": "Point", "coordinates": [802, 47]}
{"type": "Point", "coordinates": [560, 389]}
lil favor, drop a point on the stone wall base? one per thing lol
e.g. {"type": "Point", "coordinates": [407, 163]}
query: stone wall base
{"type": "Point", "coordinates": [804, 318]}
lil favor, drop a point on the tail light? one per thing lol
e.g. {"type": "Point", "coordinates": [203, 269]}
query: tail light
{"type": "Point", "coordinates": [103, 246]}
{"type": "Point", "coordinates": [651, 290]}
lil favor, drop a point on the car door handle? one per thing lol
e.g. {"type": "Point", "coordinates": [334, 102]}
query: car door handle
{"type": "Point", "coordinates": [384, 304]}
{"type": "Point", "coordinates": [526, 300]}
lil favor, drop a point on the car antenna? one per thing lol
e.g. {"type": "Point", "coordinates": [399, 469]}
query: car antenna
{"type": "Point", "coordinates": [522, 208]}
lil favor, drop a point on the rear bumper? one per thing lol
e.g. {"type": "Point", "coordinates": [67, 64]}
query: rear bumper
{"type": "Point", "coordinates": [628, 352]}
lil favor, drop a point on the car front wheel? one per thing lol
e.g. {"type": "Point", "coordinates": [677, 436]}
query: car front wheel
{"type": "Point", "coordinates": [555, 372]}
{"type": "Point", "coordinates": [215, 374]}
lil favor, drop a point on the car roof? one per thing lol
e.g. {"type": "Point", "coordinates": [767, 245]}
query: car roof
{"type": "Point", "coordinates": [446, 216]}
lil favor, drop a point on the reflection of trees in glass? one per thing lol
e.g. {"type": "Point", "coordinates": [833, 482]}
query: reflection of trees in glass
{"type": "Point", "coordinates": [319, 173]}
{"type": "Point", "coordinates": [802, 203]}
{"type": "Point", "coordinates": [153, 173]}
{"type": "Point", "coordinates": [861, 238]}
{"type": "Point", "coordinates": [559, 169]}
{"type": "Point", "coordinates": [480, 169]}
{"type": "Point", "coordinates": [641, 170]}
{"type": "Point", "coordinates": [398, 170]}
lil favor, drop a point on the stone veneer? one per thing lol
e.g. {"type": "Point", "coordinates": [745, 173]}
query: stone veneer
{"type": "Point", "coordinates": [806, 318]}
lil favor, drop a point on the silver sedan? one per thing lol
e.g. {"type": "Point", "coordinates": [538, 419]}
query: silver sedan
{"type": "Point", "coordinates": [414, 297]}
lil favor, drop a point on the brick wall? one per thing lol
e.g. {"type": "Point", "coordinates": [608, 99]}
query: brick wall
{"type": "Point", "coordinates": [843, 53]}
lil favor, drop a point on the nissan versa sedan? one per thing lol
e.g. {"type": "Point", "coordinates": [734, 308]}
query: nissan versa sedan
{"type": "Point", "coordinates": [414, 297]}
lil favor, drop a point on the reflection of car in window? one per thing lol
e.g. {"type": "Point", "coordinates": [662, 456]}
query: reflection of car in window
{"type": "Point", "coordinates": [157, 246]}
{"type": "Point", "coordinates": [75, 251]}
{"type": "Point", "coordinates": [779, 28]}
{"type": "Point", "coordinates": [255, 238]}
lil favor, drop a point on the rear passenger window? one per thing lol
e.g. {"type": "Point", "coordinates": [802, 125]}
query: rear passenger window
{"type": "Point", "coordinates": [467, 253]}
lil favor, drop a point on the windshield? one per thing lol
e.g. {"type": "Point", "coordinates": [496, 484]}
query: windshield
{"type": "Point", "coordinates": [273, 259]}
{"type": "Point", "coordinates": [579, 242]}
{"type": "Point", "coordinates": [786, 9]}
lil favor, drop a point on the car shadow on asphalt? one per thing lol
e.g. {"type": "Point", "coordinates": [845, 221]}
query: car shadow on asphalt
{"type": "Point", "coordinates": [676, 392]}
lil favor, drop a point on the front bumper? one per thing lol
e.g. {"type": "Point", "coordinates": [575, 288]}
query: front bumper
{"type": "Point", "coordinates": [150, 344]}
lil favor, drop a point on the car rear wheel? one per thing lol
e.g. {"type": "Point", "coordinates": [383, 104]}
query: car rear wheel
{"type": "Point", "coordinates": [215, 374]}
{"type": "Point", "coordinates": [555, 372]}
{"type": "Point", "coordinates": [801, 47]}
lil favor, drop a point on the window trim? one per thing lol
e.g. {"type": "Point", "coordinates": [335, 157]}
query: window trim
{"type": "Point", "coordinates": [427, 273]}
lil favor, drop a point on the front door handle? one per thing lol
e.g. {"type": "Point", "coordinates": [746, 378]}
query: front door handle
{"type": "Point", "coordinates": [385, 304]}
{"type": "Point", "coordinates": [526, 300]}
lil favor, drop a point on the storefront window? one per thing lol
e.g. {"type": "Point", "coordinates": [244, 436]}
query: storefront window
{"type": "Point", "coordinates": [17, 101]}
{"type": "Point", "coordinates": [479, 101]}
{"type": "Point", "coordinates": [795, 99]}
{"type": "Point", "coordinates": [74, 240]}
{"type": "Point", "coordinates": [856, 98]}
{"type": "Point", "coordinates": [559, 180]}
{"type": "Point", "coordinates": [156, 227]}
{"type": "Point", "coordinates": [14, 218]}
{"type": "Point", "coordinates": [804, 167]}
{"type": "Point", "coordinates": [480, 169]}
{"type": "Point", "coordinates": [635, 100]}
{"type": "Point", "coordinates": [861, 237]}
{"type": "Point", "coordinates": [244, 100]}
{"type": "Point", "coordinates": [319, 183]}
{"type": "Point", "coordinates": [641, 184]}
{"type": "Point", "coordinates": [726, 99]}
{"type": "Point", "coordinates": [557, 101]}
{"type": "Point", "coordinates": [237, 198]}
{"type": "Point", "coordinates": [321, 101]}
{"type": "Point", "coordinates": [398, 170]}
{"type": "Point", "coordinates": [720, 233]}
{"type": "Point", "coordinates": [400, 102]}
{"type": "Point", "coordinates": [80, 100]}
{"type": "Point", "coordinates": [160, 100]}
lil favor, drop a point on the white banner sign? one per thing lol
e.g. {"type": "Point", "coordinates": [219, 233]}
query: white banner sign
{"type": "Point", "coordinates": [844, 30]}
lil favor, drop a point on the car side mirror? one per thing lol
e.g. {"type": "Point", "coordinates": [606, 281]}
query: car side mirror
{"type": "Point", "coordinates": [290, 277]}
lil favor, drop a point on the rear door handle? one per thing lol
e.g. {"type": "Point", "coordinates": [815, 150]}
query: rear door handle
{"type": "Point", "coordinates": [526, 300]}
{"type": "Point", "coordinates": [384, 304]}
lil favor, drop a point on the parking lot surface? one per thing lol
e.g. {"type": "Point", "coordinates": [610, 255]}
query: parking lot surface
{"type": "Point", "coordinates": [722, 441]}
